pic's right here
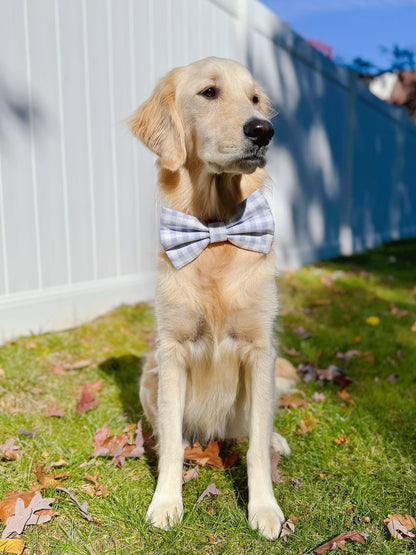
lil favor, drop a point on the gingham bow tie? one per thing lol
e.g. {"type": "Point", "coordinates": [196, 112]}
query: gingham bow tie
{"type": "Point", "coordinates": [184, 237]}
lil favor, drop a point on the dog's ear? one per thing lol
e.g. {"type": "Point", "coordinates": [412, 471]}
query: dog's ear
{"type": "Point", "coordinates": [158, 125]}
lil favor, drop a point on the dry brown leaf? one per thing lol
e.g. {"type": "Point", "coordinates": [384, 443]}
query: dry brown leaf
{"type": "Point", "coordinates": [301, 332]}
{"type": "Point", "coordinates": [8, 504]}
{"type": "Point", "coordinates": [118, 446]}
{"type": "Point", "coordinates": [318, 397]}
{"type": "Point", "coordinates": [210, 490]}
{"type": "Point", "coordinates": [327, 281]}
{"type": "Point", "coordinates": [347, 356]}
{"type": "Point", "coordinates": [58, 369]}
{"type": "Point", "coordinates": [398, 530]}
{"type": "Point", "coordinates": [9, 451]}
{"type": "Point", "coordinates": [321, 302]}
{"type": "Point", "coordinates": [291, 352]}
{"type": "Point", "coordinates": [398, 312]}
{"type": "Point", "coordinates": [47, 480]}
{"type": "Point", "coordinates": [407, 520]}
{"type": "Point", "coordinates": [100, 489]}
{"type": "Point", "coordinates": [289, 401]}
{"type": "Point", "coordinates": [188, 475]}
{"type": "Point", "coordinates": [77, 365]}
{"type": "Point", "coordinates": [209, 456]}
{"type": "Point", "coordinates": [307, 425]}
{"type": "Point", "coordinates": [54, 411]}
{"type": "Point", "coordinates": [342, 440]}
{"type": "Point", "coordinates": [37, 512]}
{"type": "Point", "coordinates": [287, 528]}
{"type": "Point", "coordinates": [345, 396]}
{"type": "Point", "coordinates": [413, 328]}
{"type": "Point", "coordinates": [294, 518]}
{"type": "Point", "coordinates": [88, 400]}
{"type": "Point", "coordinates": [339, 541]}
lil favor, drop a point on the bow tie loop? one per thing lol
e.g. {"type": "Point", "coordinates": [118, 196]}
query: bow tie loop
{"type": "Point", "coordinates": [184, 237]}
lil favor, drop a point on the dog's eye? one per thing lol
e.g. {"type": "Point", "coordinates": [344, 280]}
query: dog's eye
{"type": "Point", "coordinates": [255, 99]}
{"type": "Point", "coordinates": [209, 93]}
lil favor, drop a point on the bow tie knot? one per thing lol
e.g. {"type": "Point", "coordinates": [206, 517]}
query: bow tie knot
{"type": "Point", "coordinates": [184, 237]}
{"type": "Point", "coordinates": [217, 232]}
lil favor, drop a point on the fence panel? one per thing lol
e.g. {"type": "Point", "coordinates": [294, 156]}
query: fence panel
{"type": "Point", "coordinates": [78, 217]}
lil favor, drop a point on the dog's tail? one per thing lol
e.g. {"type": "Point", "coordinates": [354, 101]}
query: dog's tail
{"type": "Point", "coordinates": [285, 376]}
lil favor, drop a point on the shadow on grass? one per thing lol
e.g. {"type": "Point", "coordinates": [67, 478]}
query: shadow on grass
{"type": "Point", "coordinates": [126, 371]}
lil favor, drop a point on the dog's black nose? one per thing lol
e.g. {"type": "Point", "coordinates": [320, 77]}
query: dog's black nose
{"type": "Point", "coordinates": [259, 131]}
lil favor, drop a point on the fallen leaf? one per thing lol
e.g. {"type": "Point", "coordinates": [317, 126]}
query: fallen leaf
{"type": "Point", "coordinates": [27, 516]}
{"type": "Point", "coordinates": [88, 400]}
{"type": "Point", "coordinates": [398, 312]}
{"type": "Point", "coordinates": [296, 483]}
{"type": "Point", "coordinates": [413, 328]}
{"type": "Point", "coordinates": [82, 508]}
{"type": "Point", "coordinates": [407, 520]}
{"type": "Point", "coordinates": [54, 411]}
{"type": "Point", "coordinates": [275, 459]}
{"type": "Point", "coordinates": [357, 339]}
{"type": "Point", "coordinates": [287, 528]}
{"type": "Point", "coordinates": [9, 451]}
{"type": "Point", "coordinates": [398, 530]}
{"type": "Point", "coordinates": [190, 474]}
{"type": "Point", "coordinates": [15, 546]}
{"type": "Point", "coordinates": [327, 281]}
{"type": "Point", "coordinates": [118, 446]}
{"type": "Point", "coordinates": [2, 372]}
{"type": "Point", "coordinates": [307, 425]}
{"type": "Point", "coordinates": [100, 489]}
{"type": "Point", "coordinates": [347, 356]}
{"type": "Point", "coordinates": [318, 397]}
{"type": "Point", "coordinates": [342, 440]}
{"type": "Point", "coordinates": [61, 462]}
{"type": "Point", "coordinates": [301, 332]}
{"type": "Point", "coordinates": [307, 372]}
{"type": "Point", "coordinates": [210, 456]}
{"type": "Point", "coordinates": [334, 374]}
{"type": "Point", "coordinates": [210, 490]}
{"type": "Point", "coordinates": [339, 541]}
{"type": "Point", "coordinates": [58, 369]}
{"type": "Point", "coordinates": [294, 518]}
{"type": "Point", "coordinates": [47, 480]}
{"type": "Point", "coordinates": [291, 352]}
{"type": "Point", "coordinates": [372, 320]}
{"type": "Point", "coordinates": [23, 432]}
{"type": "Point", "coordinates": [345, 396]}
{"type": "Point", "coordinates": [8, 504]}
{"type": "Point", "coordinates": [392, 378]}
{"type": "Point", "coordinates": [289, 401]}
{"type": "Point", "coordinates": [77, 365]}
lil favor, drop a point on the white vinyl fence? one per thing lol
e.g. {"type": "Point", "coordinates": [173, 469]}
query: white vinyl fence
{"type": "Point", "coordinates": [78, 228]}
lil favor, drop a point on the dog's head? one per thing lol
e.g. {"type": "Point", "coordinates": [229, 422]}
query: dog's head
{"type": "Point", "coordinates": [211, 111]}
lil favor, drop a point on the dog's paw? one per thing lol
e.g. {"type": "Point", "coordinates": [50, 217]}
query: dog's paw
{"type": "Point", "coordinates": [267, 519]}
{"type": "Point", "coordinates": [165, 513]}
{"type": "Point", "coordinates": [280, 444]}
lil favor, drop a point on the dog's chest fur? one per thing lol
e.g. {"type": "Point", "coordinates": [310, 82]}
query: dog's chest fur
{"type": "Point", "coordinates": [215, 311]}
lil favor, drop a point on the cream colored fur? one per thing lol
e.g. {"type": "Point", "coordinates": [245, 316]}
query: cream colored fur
{"type": "Point", "coordinates": [213, 372]}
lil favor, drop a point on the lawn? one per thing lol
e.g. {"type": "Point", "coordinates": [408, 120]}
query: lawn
{"type": "Point", "coordinates": [352, 484]}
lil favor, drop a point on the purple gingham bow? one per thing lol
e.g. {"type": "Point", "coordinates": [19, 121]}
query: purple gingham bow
{"type": "Point", "coordinates": [184, 237]}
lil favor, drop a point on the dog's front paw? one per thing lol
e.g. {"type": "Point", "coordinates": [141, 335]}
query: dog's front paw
{"type": "Point", "coordinates": [165, 513]}
{"type": "Point", "coordinates": [280, 444]}
{"type": "Point", "coordinates": [268, 519]}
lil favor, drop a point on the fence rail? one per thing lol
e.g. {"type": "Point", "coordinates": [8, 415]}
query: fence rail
{"type": "Point", "coordinates": [77, 196]}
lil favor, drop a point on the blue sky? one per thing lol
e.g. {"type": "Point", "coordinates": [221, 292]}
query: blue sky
{"type": "Point", "coordinates": [354, 28]}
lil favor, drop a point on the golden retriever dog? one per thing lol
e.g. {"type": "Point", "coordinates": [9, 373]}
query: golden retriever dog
{"type": "Point", "coordinates": [213, 373]}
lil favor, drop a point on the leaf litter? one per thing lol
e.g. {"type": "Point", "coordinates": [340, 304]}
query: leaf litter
{"type": "Point", "coordinates": [27, 515]}
{"type": "Point", "coordinates": [208, 491]}
{"type": "Point", "coordinates": [339, 541]}
{"type": "Point", "coordinates": [121, 446]}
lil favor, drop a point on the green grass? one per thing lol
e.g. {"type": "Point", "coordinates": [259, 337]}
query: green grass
{"type": "Point", "coordinates": [373, 473]}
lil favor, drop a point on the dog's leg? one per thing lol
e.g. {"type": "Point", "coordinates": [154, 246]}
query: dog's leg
{"type": "Point", "coordinates": [263, 511]}
{"type": "Point", "coordinates": [166, 507]}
